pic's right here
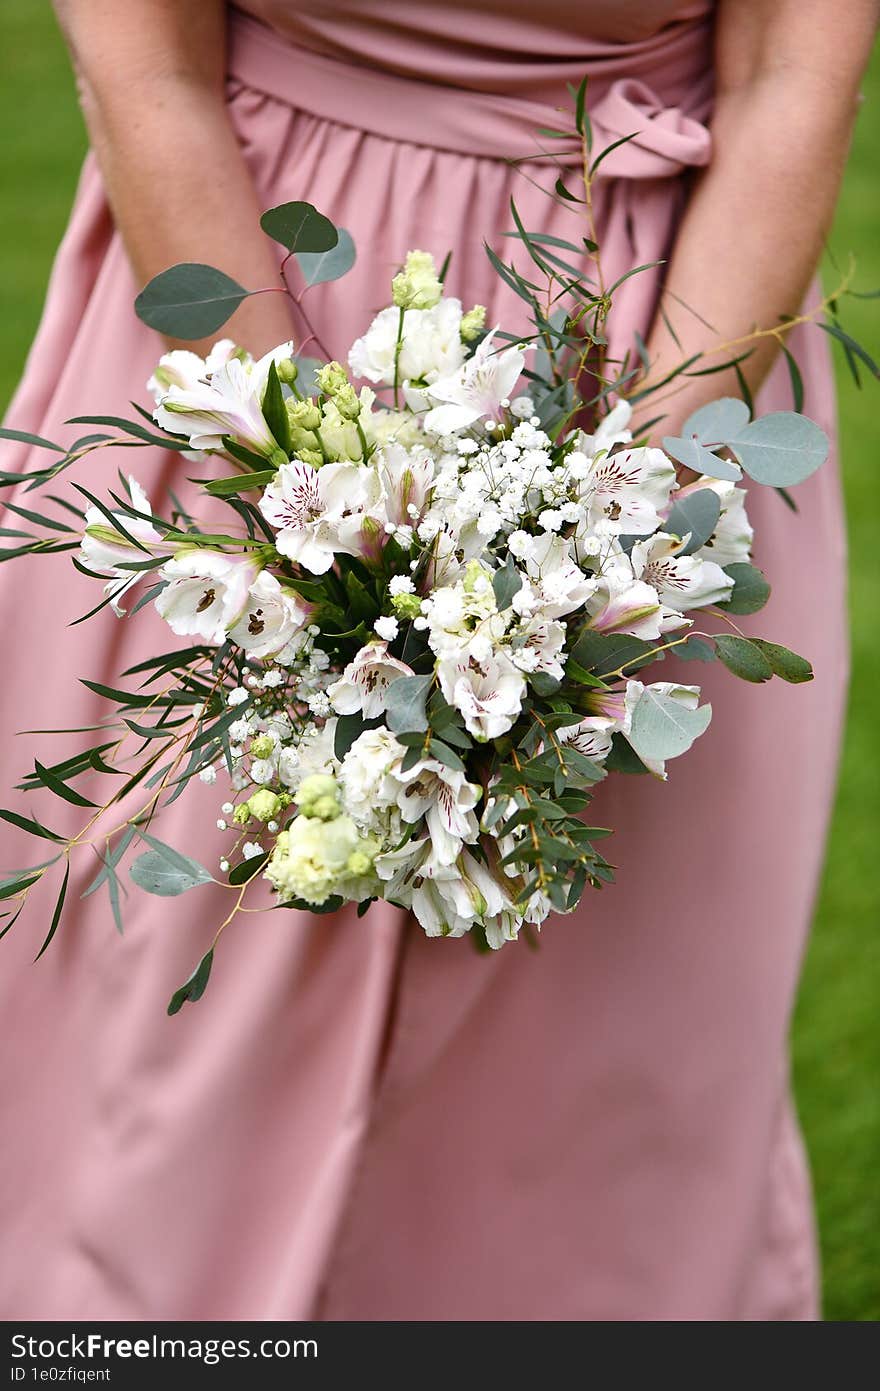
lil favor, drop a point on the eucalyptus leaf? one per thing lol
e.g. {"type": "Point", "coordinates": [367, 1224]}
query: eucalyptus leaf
{"type": "Point", "coordinates": [750, 590]}
{"type": "Point", "coordinates": [405, 704]}
{"type": "Point", "coordinates": [189, 301]}
{"type": "Point", "coordinates": [506, 582]}
{"type": "Point", "coordinates": [299, 227]}
{"type": "Point", "coordinates": [320, 266]}
{"type": "Point", "coordinates": [695, 514]}
{"type": "Point", "coordinates": [780, 449]}
{"type": "Point", "coordinates": [695, 650]}
{"type": "Point", "coordinates": [663, 728]}
{"type": "Point", "coordinates": [785, 663]}
{"type": "Point", "coordinates": [307, 378]}
{"type": "Point", "coordinates": [167, 875]}
{"type": "Point", "coordinates": [194, 988]}
{"type": "Point", "coordinates": [696, 456]}
{"type": "Point", "coordinates": [718, 421]}
{"type": "Point", "coordinates": [600, 654]}
{"type": "Point", "coordinates": [743, 658]}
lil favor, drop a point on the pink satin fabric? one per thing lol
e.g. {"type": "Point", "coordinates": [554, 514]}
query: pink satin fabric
{"type": "Point", "coordinates": [357, 1122]}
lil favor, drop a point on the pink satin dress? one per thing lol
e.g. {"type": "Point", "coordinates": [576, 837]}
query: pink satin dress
{"type": "Point", "coordinates": [357, 1122]}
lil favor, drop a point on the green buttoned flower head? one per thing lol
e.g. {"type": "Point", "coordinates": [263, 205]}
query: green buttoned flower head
{"type": "Point", "coordinates": [241, 816]}
{"type": "Point", "coordinates": [262, 746]}
{"type": "Point", "coordinates": [417, 286]}
{"type": "Point", "coordinates": [347, 403]}
{"type": "Point", "coordinates": [264, 805]}
{"type": "Point", "coordinates": [406, 605]}
{"type": "Point", "coordinates": [318, 796]}
{"type": "Point", "coordinates": [333, 378]}
{"type": "Point", "coordinates": [303, 415]}
{"type": "Point", "coordinates": [310, 456]}
{"type": "Point", "coordinates": [473, 323]}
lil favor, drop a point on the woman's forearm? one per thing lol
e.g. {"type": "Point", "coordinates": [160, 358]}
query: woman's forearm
{"type": "Point", "coordinates": [753, 232]}
{"type": "Point", "coordinates": [176, 180]}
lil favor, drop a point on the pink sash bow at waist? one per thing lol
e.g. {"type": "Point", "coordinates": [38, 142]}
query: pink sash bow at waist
{"type": "Point", "coordinates": [667, 140]}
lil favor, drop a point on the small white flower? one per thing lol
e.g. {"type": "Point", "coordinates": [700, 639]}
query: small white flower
{"type": "Point", "coordinates": [400, 584]}
{"type": "Point", "coordinates": [237, 696]}
{"type": "Point", "coordinates": [221, 824]}
{"type": "Point", "coordinates": [251, 849]}
{"type": "Point", "coordinates": [387, 628]}
{"type": "Point", "coordinates": [208, 775]}
{"type": "Point", "coordinates": [273, 678]}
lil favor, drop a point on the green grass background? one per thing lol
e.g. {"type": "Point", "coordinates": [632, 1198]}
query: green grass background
{"type": "Point", "coordinates": [836, 1037]}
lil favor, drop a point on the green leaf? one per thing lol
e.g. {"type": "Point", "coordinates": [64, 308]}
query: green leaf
{"type": "Point", "coordinates": [405, 704]}
{"type": "Point", "coordinates": [604, 653]}
{"type": "Point", "coordinates": [750, 592]}
{"type": "Point", "coordinates": [274, 410]}
{"type": "Point", "coordinates": [696, 456]}
{"type": "Point", "coordinates": [60, 788]}
{"type": "Point", "coordinates": [23, 437]}
{"type": "Point", "coordinates": [164, 871]}
{"type": "Point", "coordinates": [697, 514]}
{"type": "Point", "coordinates": [797, 381]}
{"type": "Point", "coordinates": [32, 827]}
{"type": "Point", "coordinates": [718, 421]}
{"type": "Point", "coordinates": [299, 227]}
{"type": "Point", "coordinates": [695, 650]}
{"type": "Point", "coordinates": [56, 916]}
{"type": "Point", "coordinates": [445, 755]}
{"type": "Point", "coordinates": [194, 988]}
{"type": "Point", "coordinates": [189, 301]}
{"type": "Point", "coordinates": [780, 449]}
{"type": "Point", "coordinates": [320, 266]}
{"type": "Point", "coordinates": [239, 483]}
{"type": "Point", "coordinates": [664, 728]}
{"type": "Point", "coordinates": [743, 658]}
{"type": "Point", "coordinates": [785, 663]}
{"type": "Point", "coordinates": [248, 869]}
{"type": "Point", "coordinates": [506, 582]}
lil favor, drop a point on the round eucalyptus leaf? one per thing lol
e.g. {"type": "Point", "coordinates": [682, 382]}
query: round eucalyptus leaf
{"type": "Point", "coordinates": [718, 422]}
{"type": "Point", "coordinates": [743, 658]}
{"type": "Point", "coordinates": [159, 874]}
{"type": "Point", "coordinates": [785, 663]}
{"type": "Point", "coordinates": [189, 301]}
{"type": "Point", "coordinates": [664, 728]}
{"type": "Point", "coordinates": [696, 456]}
{"type": "Point", "coordinates": [299, 227]}
{"type": "Point", "coordinates": [320, 266]}
{"type": "Point", "coordinates": [750, 589]}
{"type": "Point", "coordinates": [405, 704]}
{"type": "Point", "coordinates": [696, 515]}
{"type": "Point", "coordinates": [780, 449]}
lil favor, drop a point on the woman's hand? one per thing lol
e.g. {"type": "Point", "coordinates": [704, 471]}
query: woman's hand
{"type": "Point", "coordinates": [151, 80]}
{"type": "Point", "coordinates": [787, 75]}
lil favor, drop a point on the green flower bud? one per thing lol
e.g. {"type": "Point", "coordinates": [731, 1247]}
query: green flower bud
{"type": "Point", "coordinates": [303, 414]}
{"type": "Point", "coordinates": [287, 371]}
{"type": "Point", "coordinates": [311, 456]}
{"type": "Point", "coordinates": [473, 323]}
{"type": "Point", "coordinates": [241, 816]}
{"type": "Point", "coordinates": [263, 804]}
{"type": "Point", "coordinates": [417, 285]}
{"type": "Point", "coordinates": [406, 605]}
{"type": "Point", "coordinates": [359, 862]}
{"type": "Point", "coordinates": [318, 796]}
{"type": "Point", "coordinates": [261, 747]}
{"type": "Point", "coordinates": [347, 403]}
{"type": "Point", "coordinates": [333, 378]}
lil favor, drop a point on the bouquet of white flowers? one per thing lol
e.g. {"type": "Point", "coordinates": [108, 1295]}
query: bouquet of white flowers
{"type": "Point", "coordinates": [429, 629]}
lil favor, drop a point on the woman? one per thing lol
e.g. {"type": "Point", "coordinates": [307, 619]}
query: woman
{"type": "Point", "coordinates": [357, 1122]}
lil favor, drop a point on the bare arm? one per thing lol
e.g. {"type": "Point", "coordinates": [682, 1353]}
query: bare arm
{"type": "Point", "coordinates": [151, 79]}
{"type": "Point", "coordinates": [788, 74]}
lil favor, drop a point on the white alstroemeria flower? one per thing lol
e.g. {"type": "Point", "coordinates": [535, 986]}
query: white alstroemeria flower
{"type": "Point", "coordinates": [228, 403]}
{"type": "Point", "coordinates": [537, 645]}
{"type": "Point", "coordinates": [624, 603]}
{"type": "Point", "coordinates": [405, 476]}
{"type": "Point", "coordinates": [205, 593]}
{"type": "Point", "coordinates": [364, 682]}
{"type": "Point", "coordinates": [319, 512]}
{"type": "Point", "coordinates": [445, 799]}
{"type": "Point", "coordinates": [476, 391]}
{"type": "Point", "coordinates": [681, 581]}
{"type": "Point", "coordinates": [612, 429]}
{"type": "Point", "coordinates": [612, 712]}
{"type": "Point", "coordinates": [487, 692]}
{"type": "Point", "coordinates": [431, 346]}
{"type": "Point", "coordinates": [447, 899]}
{"type": "Point", "coordinates": [272, 615]}
{"type": "Point", "coordinates": [629, 490]}
{"type": "Point", "coordinates": [557, 581]}
{"type": "Point", "coordinates": [104, 550]}
{"type": "Point", "coordinates": [187, 370]}
{"type": "Point", "coordinates": [592, 737]}
{"type": "Point", "coordinates": [731, 541]}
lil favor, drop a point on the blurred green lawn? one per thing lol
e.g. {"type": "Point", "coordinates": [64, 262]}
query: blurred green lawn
{"type": "Point", "coordinates": [837, 1040]}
